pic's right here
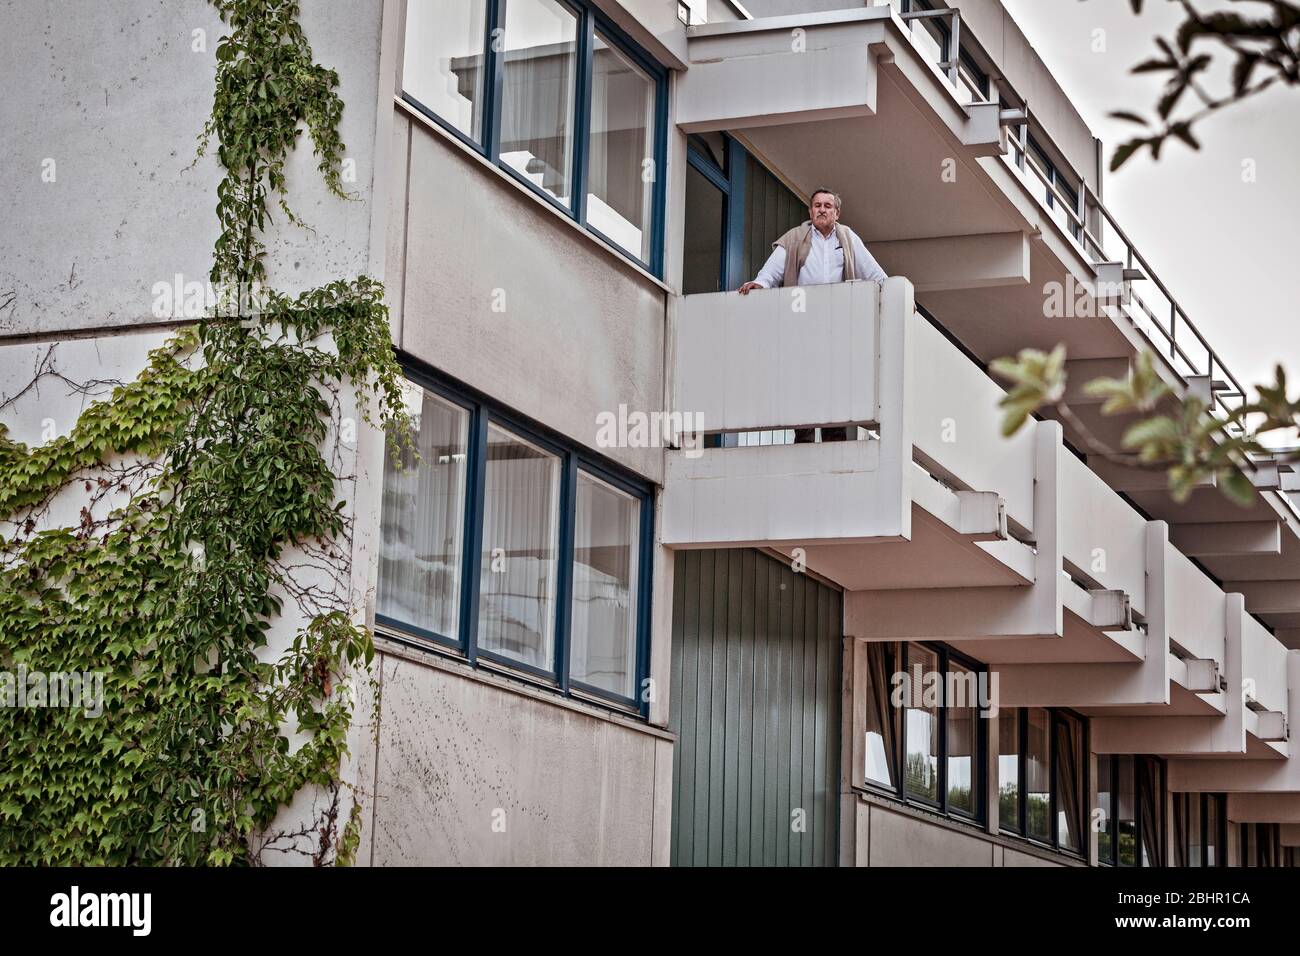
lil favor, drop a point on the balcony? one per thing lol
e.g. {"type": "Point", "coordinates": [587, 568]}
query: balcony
{"type": "Point", "coordinates": [1012, 550]}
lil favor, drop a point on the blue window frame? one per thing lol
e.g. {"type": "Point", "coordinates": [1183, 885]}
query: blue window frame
{"type": "Point", "coordinates": [555, 94]}
{"type": "Point", "coordinates": [516, 549]}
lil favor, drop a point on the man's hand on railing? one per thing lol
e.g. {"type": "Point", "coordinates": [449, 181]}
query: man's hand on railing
{"type": "Point", "coordinates": [749, 287]}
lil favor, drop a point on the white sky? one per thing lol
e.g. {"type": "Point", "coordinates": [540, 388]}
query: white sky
{"type": "Point", "coordinates": [1226, 249]}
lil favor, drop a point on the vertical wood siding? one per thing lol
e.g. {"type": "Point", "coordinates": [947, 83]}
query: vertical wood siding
{"type": "Point", "coordinates": [755, 705]}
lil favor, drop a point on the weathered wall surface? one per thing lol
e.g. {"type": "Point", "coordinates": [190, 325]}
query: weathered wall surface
{"type": "Point", "coordinates": [889, 837]}
{"type": "Point", "coordinates": [103, 198]}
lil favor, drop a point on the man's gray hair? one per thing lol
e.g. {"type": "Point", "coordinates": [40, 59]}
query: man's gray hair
{"type": "Point", "coordinates": [829, 192]}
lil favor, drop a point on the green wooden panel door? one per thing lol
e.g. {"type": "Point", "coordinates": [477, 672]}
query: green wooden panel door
{"type": "Point", "coordinates": [755, 705]}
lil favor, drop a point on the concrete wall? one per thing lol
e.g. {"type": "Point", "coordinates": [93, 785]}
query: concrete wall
{"type": "Point", "coordinates": [114, 96]}
{"type": "Point", "coordinates": [895, 836]}
{"type": "Point", "coordinates": [1002, 38]}
{"type": "Point", "coordinates": [509, 296]}
{"type": "Point", "coordinates": [475, 770]}
{"type": "Point", "coordinates": [109, 221]}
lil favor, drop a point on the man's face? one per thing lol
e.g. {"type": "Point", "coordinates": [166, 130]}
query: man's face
{"type": "Point", "coordinates": [823, 212]}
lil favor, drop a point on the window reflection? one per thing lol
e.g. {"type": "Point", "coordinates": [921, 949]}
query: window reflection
{"type": "Point", "coordinates": [922, 764]}
{"type": "Point", "coordinates": [537, 95]}
{"type": "Point", "coordinates": [621, 173]}
{"type": "Point", "coordinates": [443, 63]}
{"type": "Point", "coordinates": [1009, 768]}
{"type": "Point", "coordinates": [1038, 771]}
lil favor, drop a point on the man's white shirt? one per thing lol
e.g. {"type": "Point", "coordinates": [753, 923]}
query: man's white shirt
{"type": "Point", "coordinates": [825, 262]}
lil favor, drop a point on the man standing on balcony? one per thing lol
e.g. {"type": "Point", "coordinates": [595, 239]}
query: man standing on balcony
{"type": "Point", "coordinates": [818, 252]}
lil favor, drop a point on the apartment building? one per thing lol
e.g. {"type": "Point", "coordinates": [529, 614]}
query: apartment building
{"type": "Point", "coordinates": [622, 616]}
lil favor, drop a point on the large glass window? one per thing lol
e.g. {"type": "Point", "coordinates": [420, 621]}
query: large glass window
{"type": "Point", "coordinates": [924, 736]}
{"type": "Point", "coordinates": [520, 552]}
{"type": "Point", "coordinates": [1199, 829]}
{"type": "Point", "coordinates": [1042, 761]}
{"type": "Point", "coordinates": [1134, 832]}
{"type": "Point", "coordinates": [620, 183]}
{"type": "Point", "coordinates": [444, 63]}
{"type": "Point", "coordinates": [606, 559]}
{"type": "Point", "coordinates": [539, 84]}
{"type": "Point", "coordinates": [515, 549]}
{"type": "Point", "coordinates": [923, 712]}
{"type": "Point", "coordinates": [422, 530]}
{"type": "Point", "coordinates": [558, 97]}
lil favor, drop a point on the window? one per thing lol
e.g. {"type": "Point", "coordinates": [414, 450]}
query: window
{"type": "Point", "coordinates": [1261, 845]}
{"type": "Point", "coordinates": [1038, 775]}
{"type": "Point", "coordinates": [1200, 829]}
{"type": "Point", "coordinates": [1009, 770]}
{"type": "Point", "coordinates": [1134, 832]}
{"type": "Point", "coordinates": [539, 49]}
{"type": "Point", "coordinates": [421, 556]}
{"type": "Point", "coordinates": [559, 98]}
{"type": "Point", "coordinates": [606, 571]}
{"type": "Point", "coordinates": [882, 718]}
{"type": "Point", "coordinates": [1042, 776]}
{"type": "Point", "coordinates": [1059, 191]}
{"type": "Point", "coordinates": [444, 61]}
{"type": "Point", "coordinates": [506, 544]}
{"type": "Point", "coordinates": [923, 713]}
{"type": "Point", "coordinates": [519, 557]}
{"type": "Point", "coordinates": [620, 194]}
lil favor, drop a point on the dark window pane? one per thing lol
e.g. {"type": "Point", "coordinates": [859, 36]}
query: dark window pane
{"type": "Point", "coordinates": [422, 528]}
{"type": "Point", "coordinates": [961, 731]}
{"type": "Point", "coordinates": [537, 97]}
{"type": "Point", "coordinates": [705, 210]}
{"type": "Point", "coordinates": [1069, 783]}
{"type": "Point", "coordinates": [1009, 768]}
{"type": "Point", "coordinates": [1126, 814]}
{"type": "Point", "coordinates": [443, 62]}
{"type": "Point", "coordinates": [1038, 769]}
{"type": "Point", "coordinates": [606, 548]}
{"type": "Point", "coordinates": [520, 550]}
{"type": "Point", "coordinates": [1213, 855]}
{"type": "Point", "coordinates": [1106, 803]}
{"type": "Point", "coordinates": [922, 766]}
{"type": "Point", "coordinates": [1194, 829]}
{"type": "Point", "coordinates": [1151, 806]}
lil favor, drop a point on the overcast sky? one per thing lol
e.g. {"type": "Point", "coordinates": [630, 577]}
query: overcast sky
{"type": "Point", "coordinates": [1225, 248]}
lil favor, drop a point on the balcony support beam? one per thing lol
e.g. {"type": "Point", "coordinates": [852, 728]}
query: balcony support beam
{"type": "Point", "coordinates": [948, 263]}
{"type": "Point", "coordinates": [1227, 538]}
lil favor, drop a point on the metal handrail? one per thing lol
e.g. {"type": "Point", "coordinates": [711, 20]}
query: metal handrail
{"type": "Point", "coordinates": [1092, 246]}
